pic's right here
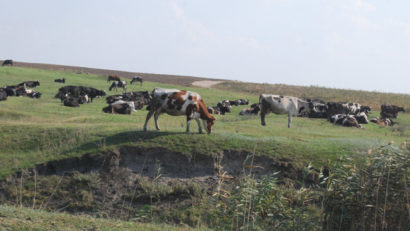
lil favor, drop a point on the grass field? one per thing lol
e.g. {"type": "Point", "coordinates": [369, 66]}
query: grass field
{"type": "Point", "coordinates": [37, 130]}
{"type": "Point", "coordinates": [12, 218]}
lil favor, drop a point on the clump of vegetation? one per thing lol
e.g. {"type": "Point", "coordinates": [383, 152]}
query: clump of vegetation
{"type": "Point", "coordinates": [369, 195]}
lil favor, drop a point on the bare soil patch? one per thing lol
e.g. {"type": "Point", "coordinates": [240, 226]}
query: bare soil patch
{"type": "Point", "coordinates": [206, 83]}
{"type": "Point", "coordinates": [121, 182]}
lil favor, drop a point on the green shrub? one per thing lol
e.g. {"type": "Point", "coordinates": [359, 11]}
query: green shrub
{"type": "Point", "coordinates": [371, 194]}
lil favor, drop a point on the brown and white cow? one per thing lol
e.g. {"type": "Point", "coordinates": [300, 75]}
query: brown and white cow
{"type": "Point", "coordinates": [179, 103]}
{"type": "Point", "coordinates": [279, 104]}
{"type": "Point", "coordinates": [113, 78]}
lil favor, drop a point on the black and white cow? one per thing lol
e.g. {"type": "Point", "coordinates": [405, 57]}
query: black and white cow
{"type": "Point", "coordinates": [77, 91]}
{"type": "Point", "coordinates": [120, 108]}
{"type": "Point", "coordinates": [137, 79]}
{"type": "Point", "coordinates": [3, 94]}
{"type": "Point", "coordinates": [118, 84]}
{"type": "Point", "coordinates": [60, 80]}
{"type": "Point", "coordinates": [30, 84]}
{"type": "Point", "coordinates": [390, 111]}
{"type": "Point", "coordinates": [279, 104]}
{"type": "Point", "coordinates": [253, 110]}
{"type": "Point", "coordinates": [345, 120]}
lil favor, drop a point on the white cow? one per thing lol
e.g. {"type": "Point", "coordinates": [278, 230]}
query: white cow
{"type": "Point", "coordinates": [279, 104]}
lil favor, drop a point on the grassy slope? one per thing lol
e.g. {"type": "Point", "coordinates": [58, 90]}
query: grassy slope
{"type": "Point", "coordinates": [12, 218]}
{"type": "Point", "coordinates": [37, 130]}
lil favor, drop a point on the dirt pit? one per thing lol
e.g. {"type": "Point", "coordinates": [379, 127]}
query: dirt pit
{"type": "Point", "coordinates": [123, 182]}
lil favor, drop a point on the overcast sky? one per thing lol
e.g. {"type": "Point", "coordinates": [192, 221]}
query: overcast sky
{"type": "Point", "coordinates": [353, 44]}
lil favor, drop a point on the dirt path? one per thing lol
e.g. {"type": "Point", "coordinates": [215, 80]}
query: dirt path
{"type": "Point", "coordinates": [205, 83]}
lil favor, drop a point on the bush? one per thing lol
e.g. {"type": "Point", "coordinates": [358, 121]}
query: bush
{"type": "Point", "coordinates": [371, 194]}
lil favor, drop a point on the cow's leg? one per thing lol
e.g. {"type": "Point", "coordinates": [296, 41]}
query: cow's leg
{"type": "Point", "coordinates": [289, 119]}
{"type": "Point", "coordinates": [149, 115]}
{"type": "Point", "coordinates": [199, 125]}
{"type": "Point", "coordinates": [263, 113]}
{"type": "Point", "coordinates": [188, 122]}
{"type": "Point", "coordinates": [156, 115]}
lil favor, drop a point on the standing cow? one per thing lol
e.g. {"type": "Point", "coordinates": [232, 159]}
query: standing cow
{"type": "Point", "coordinates": [137, 79]}
{"type": "Point", "coordinates": [7, 62]}
{"type": "Point", "coordinates": [179, 103]}
{"type": "Point", "coordinates": [113, 78]}
{"type": "Point", "coordinates": [279, 104]}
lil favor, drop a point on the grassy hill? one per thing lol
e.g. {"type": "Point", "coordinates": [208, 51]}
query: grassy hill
{"type": "Point", "coordinates": [36, 131]}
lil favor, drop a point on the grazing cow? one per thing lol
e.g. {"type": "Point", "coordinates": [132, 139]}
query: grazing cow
{"type": "Point", "coordinates": [3, 94]}
{"type": "Point", "coordinates": [390, 111]}
{"type": "Point", "coordinates": [382, 121]}
{"type": "Point", "coordinates": [29, 84]}
{"type": "Point", "coordinates": [251, 111]}
{"type": "Point", "coordinates": [279, 104]}
{"type": "Point", "coordinates": [119, 84]}
{"type": "Point", "coordinates": [179, 102]}
{"type": "Point", "coordinates": [345, 120]}
{"type": "Point", "coordinates": [137, 79]}
{"type": "Point", "coordinates": [60, 80]}
{"type": "Point", "coordinates": [77, 91]}
{"type": "Point", "coordinates": [122, 108]}
{"type": "Point", "coordinates": [7, 62]}
{"type": "Point", "coordinates": [113, 78]}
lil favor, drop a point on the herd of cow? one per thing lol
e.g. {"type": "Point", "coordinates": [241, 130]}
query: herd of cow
{"type": "Point", "coordinates": [21, 89]}
{"type": "Point", "coordinates": [190, 104]}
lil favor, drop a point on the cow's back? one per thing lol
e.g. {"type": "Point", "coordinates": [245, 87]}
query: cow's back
{"type": "Point", "coordinates": [278, 104]}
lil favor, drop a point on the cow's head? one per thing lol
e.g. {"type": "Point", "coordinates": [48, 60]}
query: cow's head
{"type": "Point", "coordinates": [209, 123]}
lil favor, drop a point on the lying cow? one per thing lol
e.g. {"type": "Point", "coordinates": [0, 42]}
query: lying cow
{"type": "Point", "coordinates": [77, 91]}
{"type": "Point", "coordinates": [3, 94]}
{"type": "Point", "coordinates": [137, 79]}
{"type": "Point", "coordinates": [139, 98]}
{"type": "Point", "coordinates": [382, 121]}
{"type": "Point", "coordinates": [29, 84]}
{"type": "Point", "coordinates": [279, 104]}
{"type": "Point", "coordinates": [253, 110]}
{"type": "Point", "coordinates": [34, 94]}
{"type": "Point", "coordinates": [390, 111]}
{"type": "Point", "coordinates": [74, 101]}
{"type": "Point", "coordinates": [337, 108]}
{"type": "Point", "coordinates": [345, 120]}
{"type": "Point", "coordinates": [179, 103]}
{"type": "Point", "coordinates": [121, 108]}
{"type": "Point", "coordinates": [60, 80]}
{"type": "Point", "coordinates": [361, 118]}
{"type": "Point", "coordinates": [113, 78]}
{"type": "Point", "coordinates": [15, 90]}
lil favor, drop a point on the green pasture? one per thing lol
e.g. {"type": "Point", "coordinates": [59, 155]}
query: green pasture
{"type": "Point", "coordinates": [34, 131]}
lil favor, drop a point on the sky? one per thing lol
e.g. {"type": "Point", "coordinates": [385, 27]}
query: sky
{"type": "Point", "coordinates": [349, 44]}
